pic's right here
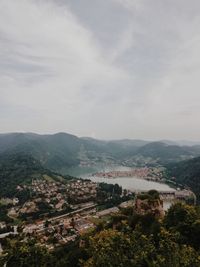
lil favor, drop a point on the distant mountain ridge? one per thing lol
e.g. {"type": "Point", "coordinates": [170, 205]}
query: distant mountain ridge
{"type": "Point", "coordinates": [64, 150]}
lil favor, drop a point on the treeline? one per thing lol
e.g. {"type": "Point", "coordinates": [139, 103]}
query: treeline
{"type": "Point", "coordinates": [110, 195]}
{"type": "Point", "coordinates": [111, 189]}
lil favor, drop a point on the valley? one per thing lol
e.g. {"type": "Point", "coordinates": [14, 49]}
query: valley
{"type": "Point", "coordinates": [55, 192]}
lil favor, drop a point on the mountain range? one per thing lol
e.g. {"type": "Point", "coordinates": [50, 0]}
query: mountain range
{"type": "Point", "coordinates": [27, 155]}
{"type": "Point", "coordinates": [62, 150]}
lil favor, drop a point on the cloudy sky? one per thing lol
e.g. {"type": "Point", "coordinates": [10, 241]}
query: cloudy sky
{"type": "Point", "coordinates": [103, 68]}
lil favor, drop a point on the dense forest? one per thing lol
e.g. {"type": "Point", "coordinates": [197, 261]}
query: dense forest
{"type": "Point", "coordinates": [126, 240]}
{"type": "Point", "coordinates": [187, 173]}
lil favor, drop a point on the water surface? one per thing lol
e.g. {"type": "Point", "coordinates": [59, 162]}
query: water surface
{"type": "Point", "coordinates": [130, 183]}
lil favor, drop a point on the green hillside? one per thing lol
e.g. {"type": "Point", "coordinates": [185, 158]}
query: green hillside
{"type": "Point", "coordinates": [187, 173]}
{"type": "Point", "coordinates": [20, 168]}
{"type": "Point", "coordinates": [164, 152]}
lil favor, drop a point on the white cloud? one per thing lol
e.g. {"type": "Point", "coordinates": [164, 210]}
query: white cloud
{"type": "Point", "coordinates": [130, 4]}
{"type": "Point", "coordinates": [51, 63]}
{"type": "Point", "coordinates": [57, 73]}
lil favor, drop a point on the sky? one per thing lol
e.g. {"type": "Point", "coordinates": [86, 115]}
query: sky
{"type": "Point", "coordinates": [109, 69]}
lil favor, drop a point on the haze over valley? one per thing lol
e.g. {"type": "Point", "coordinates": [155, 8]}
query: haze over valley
{"type": "Point", "coordinates": [63, 151]}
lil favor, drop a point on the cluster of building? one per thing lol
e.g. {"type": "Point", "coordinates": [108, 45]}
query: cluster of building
{"type": "Point", "coordinates": [55, 229]}
{"type": "Point", "coordinates": [82, 191]}
{"type": "Point", "coordinates": [139, 160]}
{"type": "Point", "coordinates": [67, 228]}
{"type": "Point", "coordinates": [76, 202]}
{"type": "Point", "coordinates": [53, 233]}
{"type": "Point", "coordinates": [54, 196]}
{"type": "Point", "coordinates": [179, 195]}
{"type": "Point", "coordinates": [154, 174]}
{"type": "Point", "coordinates": [9, 201]}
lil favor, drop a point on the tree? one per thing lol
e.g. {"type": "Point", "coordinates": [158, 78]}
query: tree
{"type": "Point", "coordinates": [184, 220]}
{"type": "Point", "coordinates": [27, 255]}
{"type": "Point", "coordinates": [112, 248]}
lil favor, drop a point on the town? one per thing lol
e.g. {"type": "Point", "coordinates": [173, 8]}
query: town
{"type": "Point", "coordinates": [153, 174]}
{"type": "Point", "coordinates": [55, 212]}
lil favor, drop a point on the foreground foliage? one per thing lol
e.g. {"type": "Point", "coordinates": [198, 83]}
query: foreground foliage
{"type": "Point", "coordinates": [126, 240]}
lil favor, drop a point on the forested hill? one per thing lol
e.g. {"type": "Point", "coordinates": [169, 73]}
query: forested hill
{"type": "Point", "coordinates": [53, 151]}
{"type": "Point", "coordinates": [20, 168]}
{"type": "Point", "coordinates": [62, 150]}
{"type": "Point", "coordinates": [187, 173]}
{"type": "Point", "coordinates": [166, 153]}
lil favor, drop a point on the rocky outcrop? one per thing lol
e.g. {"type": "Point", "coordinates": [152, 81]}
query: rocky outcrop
{"type": "Point", "coordinates": [147, 203]}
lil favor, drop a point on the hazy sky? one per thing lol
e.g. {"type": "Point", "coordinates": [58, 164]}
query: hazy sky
{"type": "Point", "coordinates": [101, 68]}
